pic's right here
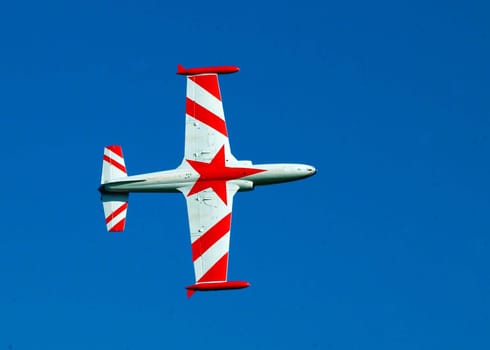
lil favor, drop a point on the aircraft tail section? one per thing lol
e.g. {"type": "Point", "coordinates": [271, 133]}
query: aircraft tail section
{"type": "Point", "coordinates": [115, 204]}
{"type": "Point", "coordinates": [115, 209]}
{"type": "Point", "coordinates": [113, 166]}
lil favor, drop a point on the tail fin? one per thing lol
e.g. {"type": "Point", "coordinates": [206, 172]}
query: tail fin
{"type": "Point", "coordinates": [113, 166]}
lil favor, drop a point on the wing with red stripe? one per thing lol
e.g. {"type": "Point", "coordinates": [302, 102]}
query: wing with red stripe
{"type": "Point", "coordinates": [205, 131]}
{"type": "Point", "coordinates": [210, 198]}
{"type": "Point", "coordinates": [210, 224]}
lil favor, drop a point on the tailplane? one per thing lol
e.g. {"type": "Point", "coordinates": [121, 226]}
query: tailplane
{"type": "Point", "coordinates": [115, 204]}
{"type": "Point", "coordinates": [115, 209]}
{"type": "Point", "coordinates": [113, 167]}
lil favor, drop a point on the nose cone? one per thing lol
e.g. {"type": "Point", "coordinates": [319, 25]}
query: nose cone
{"type": "Point", "coordinates": [307, 170]}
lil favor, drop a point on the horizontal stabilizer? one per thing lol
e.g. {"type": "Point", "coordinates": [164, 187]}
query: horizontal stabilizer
{"type": "Point", "coordinates": [115, 209]}
{"type": "Point", "coordinates": [113, 166]}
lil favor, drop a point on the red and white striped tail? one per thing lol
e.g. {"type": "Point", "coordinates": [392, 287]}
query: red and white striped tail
{"type": "Point", "coordinates": [115, 209]}
{"type": "Point", "coordinates": [115, 204]}
{"type": "Point", "coordinates": [113, 166]}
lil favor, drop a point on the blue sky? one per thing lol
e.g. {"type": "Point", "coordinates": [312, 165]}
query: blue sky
{"type": "Point", "coordinates": [386, 247]}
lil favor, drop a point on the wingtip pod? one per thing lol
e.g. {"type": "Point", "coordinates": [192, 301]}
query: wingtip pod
{"type": "Point", "coordinates": [210, 286]}
{"type": "Point", "coordinates": [207, 70]}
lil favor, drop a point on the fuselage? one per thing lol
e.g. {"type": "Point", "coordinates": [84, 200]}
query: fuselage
{"type": "Point", "coordinates": [246, 178]}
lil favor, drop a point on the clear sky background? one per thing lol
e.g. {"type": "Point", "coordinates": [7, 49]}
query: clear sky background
{"type": "Point", "coordinates": [387, 247]}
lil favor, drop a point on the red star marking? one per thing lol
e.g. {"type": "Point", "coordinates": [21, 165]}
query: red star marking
{"type": "Point", "coordinates": [215, 174]}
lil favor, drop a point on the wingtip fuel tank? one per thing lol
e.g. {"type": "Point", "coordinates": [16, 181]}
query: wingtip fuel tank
{"type": "Point", "coordinates": [207, 70]}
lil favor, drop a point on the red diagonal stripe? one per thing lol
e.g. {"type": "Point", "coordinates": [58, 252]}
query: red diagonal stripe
{"type": "Point", "coordinates": [116, 149]}
{"type": "Point", "coordinates": [116, 212]}
{"type": "Point", "coordinates": [119, 226]}
{"type": "Point", "coordinates": [210, 237]}
{"type": "Point", "coordinates": [209, 83]}
{"type": "Point", "coordinates": [203, 115]}
{"type": "Point", "coordinates": [113, 162]}
{"type": "Point", "coordinates": [218, 272]}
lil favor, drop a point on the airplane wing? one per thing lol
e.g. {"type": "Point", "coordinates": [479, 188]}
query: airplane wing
{"type": "Point", "coordinates": [210, 224]}
{"type": "Point", "coordinates": [205, 125]}
{"type": "Point", "coordinates": [209, 203]}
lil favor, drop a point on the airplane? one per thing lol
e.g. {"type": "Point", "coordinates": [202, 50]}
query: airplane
{"type": "Point", "coordinates": [209, 176]}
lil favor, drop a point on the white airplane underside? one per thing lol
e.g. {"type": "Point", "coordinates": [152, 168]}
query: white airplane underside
{"type": "Point", "coordinates": [208, 177]}
{"type": "Point", "coordinates": [173, 180]}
